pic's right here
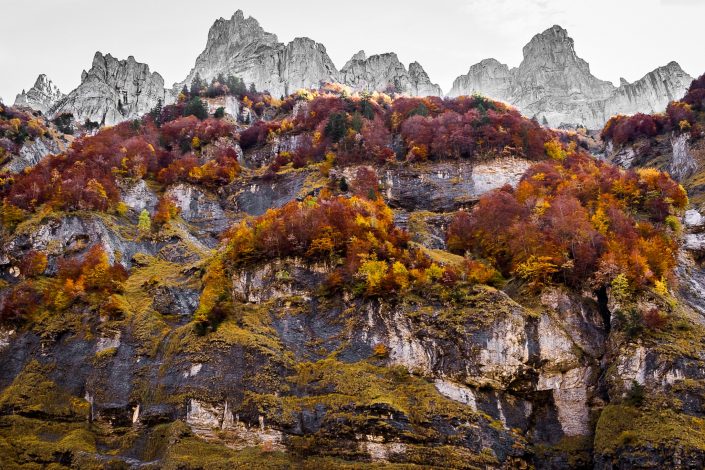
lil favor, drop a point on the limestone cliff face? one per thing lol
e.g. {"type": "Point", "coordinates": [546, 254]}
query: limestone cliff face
{"type": "Point", "coordinates": [421, 83]}
{"type": "Point", "coordinates": [651, 93]}
{"type": "Point", "coordinates": [305, 64]}
{"type": "Point", "coordinates": [489, 77]}
{"type": "Point", "coordinates": [112, 91]}
{"type": "Point", "coordinates": [385, 72]}
{"type": "Point", "coordinates": [32, 152]}
{"type": "Point", "coordinates": [240, 46]}
{"type": "Point", "coordinates": [540, 375]}
{"type": "Point", "coordinates": [41, 97]}
{"type": "Point", "coordinates": [552, 82]}
{"type": "Point", "coordinates": [552, 68]}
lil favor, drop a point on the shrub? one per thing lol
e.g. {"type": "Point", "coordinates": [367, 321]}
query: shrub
{"type": "Point", "coordinates": [356, 236]}
{"type": "Point", "coordinates": [33, 263]}
{"type": "Point", "coordinates": [577, 221]}
{"type": "Point", "coordinates": [165, 211]}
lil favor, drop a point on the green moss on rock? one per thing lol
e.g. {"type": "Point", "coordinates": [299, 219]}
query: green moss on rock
{"type": "Point", "coordinates": [622, 426]}
{"type": "Point", "coordinates": [32, 393]}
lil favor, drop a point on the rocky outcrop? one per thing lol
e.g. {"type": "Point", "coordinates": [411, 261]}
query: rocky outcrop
{"type": "Point", "coordinates": [554, 84]}
{"type": "Point", "coordinates": [489, 77]}
{"type": "Point", "coordinates": [42, 96]}
{"type": "Point", "coordinates": [421, 83]}
{"type": "Point", "coordinates": [305, 63]}
{"type": "Point", "coordinates": [240, 46]}
{"type": "Point", "coordinates": [384, 72]}
{"type": "Point", "coordinates": [624, 156]}
{"type": "Point", "coordinates": [32, 152]}
{"type": "Point", "coordinates": [112, 91]}
{"type": "Point", "coordinates": [682, 164]}
{"type": "Point", "coordinates": [198, 207]}
{"type": "Point", "coordinates": [443, 187]}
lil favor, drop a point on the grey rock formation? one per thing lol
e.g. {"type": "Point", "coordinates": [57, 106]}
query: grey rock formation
{"type": "Point", "coordinates": [552, 82]}
{"type": "Point", "coordinates": [385, 72]}
{"type": "Point", "coordinates": [683, 164]}
{"type": "Point", "coordinates": [240, 46]}
{"type": "Point", "coordinates": [489, 77]}
{"type": "Point", "coordinates": [112, 91]}
{"type": "Point", "coordinates": [31, 153]}
{"type": "Point", "coordinates": [651, 93]}
{"type": "Point", "coordinates": [305, 63]}
{"type": "Point", "coordinates": [421, 83]}
{"type": "Point", "coordinates": [552, 68]}
{"type": "Point", "coordinates": [41, 97]}
{"type": "Point", "coordinates": [443, 187]}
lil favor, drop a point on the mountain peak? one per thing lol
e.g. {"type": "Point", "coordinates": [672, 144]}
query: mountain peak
{"type": "Point", "coordinates": [112, 90]}
{"type": "Point", "coordinates": [239, 30]}
{"type": "Point", "coordinates": [554, 83]}
{"type": "Point", "coordinates": [360, 55]}
{"type": "Point", "coordinates": [673, 65]}
{"type": "Point", "coordinates": [43, 82]}
{"type": "Point", "coordinates": [556, 30]}
{"type": "Point", "coordinates": [553, 46]}
{"type": "Point", "coordinates": [384, 72]}
{"type": "Point", "coordinates": [42, 96]}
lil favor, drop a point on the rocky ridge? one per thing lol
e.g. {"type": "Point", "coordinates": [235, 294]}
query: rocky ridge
{"type": "Point", "coordinates": [554, 84]}
{"type": "Point", "coordinates": [42, 96]}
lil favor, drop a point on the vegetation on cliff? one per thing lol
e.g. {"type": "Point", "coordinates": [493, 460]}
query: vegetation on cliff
{"type": "Point", "coordinates": [577, 221]}
{"type": "Point", "coordinates": [306, 333]}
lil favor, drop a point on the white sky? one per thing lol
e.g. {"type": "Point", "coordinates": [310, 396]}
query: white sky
{"type": "Point", "coordinates": [617, 37]}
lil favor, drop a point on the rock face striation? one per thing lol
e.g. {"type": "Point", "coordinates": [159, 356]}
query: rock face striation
{"type": "Point", "coordinates": [42, 96]}
{"type": "Point", "coordinates": [651, 93]}
{"type": "Point", "coordinates": [552, 82]}
{"type": "Point", "coordinates": [240, 46]}
{"type": "Point", "coordinates": [112, 91]}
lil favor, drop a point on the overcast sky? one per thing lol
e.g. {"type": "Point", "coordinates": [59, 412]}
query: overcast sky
{"type": "Point", "coordinates": [619, 38]}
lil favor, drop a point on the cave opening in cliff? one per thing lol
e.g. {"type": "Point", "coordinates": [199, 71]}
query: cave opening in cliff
{"type": "Point", "coordinates": [602, 307]}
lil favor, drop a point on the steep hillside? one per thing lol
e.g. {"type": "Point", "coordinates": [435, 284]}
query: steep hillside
{"type": "Point", "coordinates": [26, 138]}
{"type": "Point", "coordinates": [673, 141]}
{"type": "Point", "coordinates": [344, 281]}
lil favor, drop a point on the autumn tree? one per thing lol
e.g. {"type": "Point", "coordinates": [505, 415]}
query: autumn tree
{"type": "Point", "coordinates": [33, 264]}
{"type": "Point", "coordinates": [144, 223]}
